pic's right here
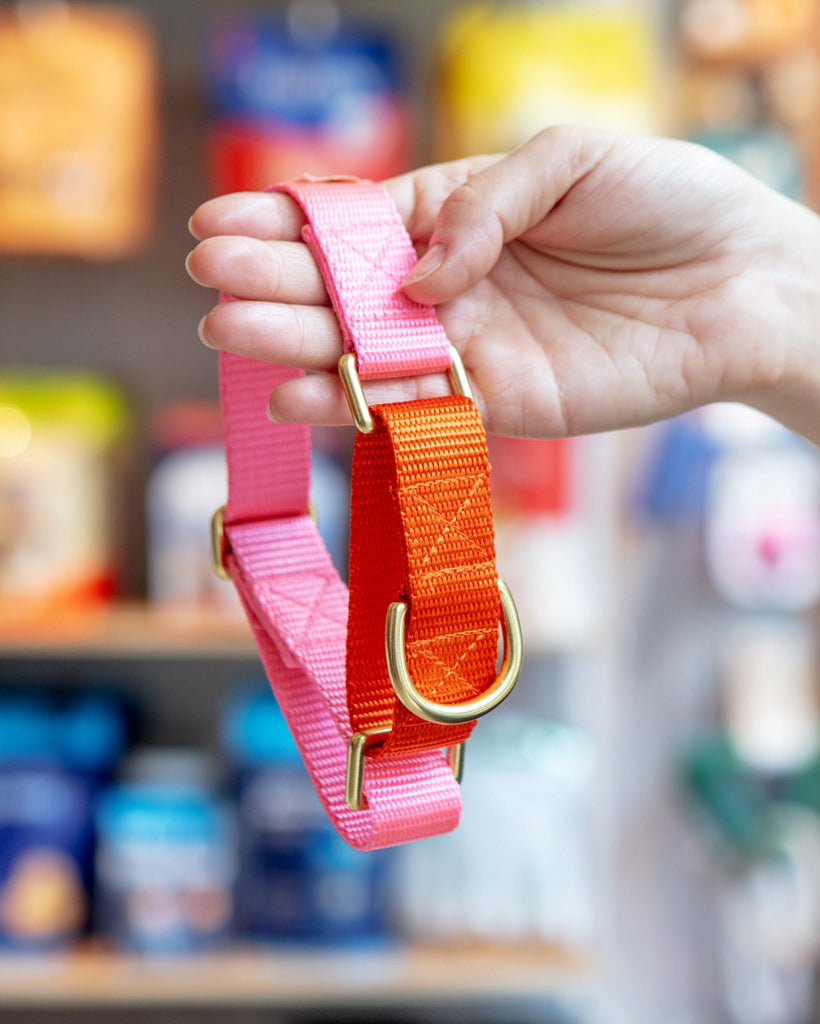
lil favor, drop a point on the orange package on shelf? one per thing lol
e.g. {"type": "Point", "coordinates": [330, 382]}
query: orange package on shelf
{"type": "Point", "coordinates": [77, 130]}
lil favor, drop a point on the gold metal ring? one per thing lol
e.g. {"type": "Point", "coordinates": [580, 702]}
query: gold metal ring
{"type": "Point", "coordinates": [349, 376]}
{"type": "Point", "coordinates": [219, 541]}
{"type": "Point", "coordinates": [453, 714]}
{"type": "Point", "coordinates": [354, 773]}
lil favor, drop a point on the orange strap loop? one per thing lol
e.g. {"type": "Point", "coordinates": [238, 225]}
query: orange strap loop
{"type": "Point", "coordinates": [421, 532]}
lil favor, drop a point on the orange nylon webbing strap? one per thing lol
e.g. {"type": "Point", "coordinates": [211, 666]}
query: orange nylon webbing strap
{"type": "Point", "coordinates": [421, 531]}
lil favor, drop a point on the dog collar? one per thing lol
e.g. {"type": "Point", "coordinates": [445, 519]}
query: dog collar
{"type": "Point", "coordinates": [376, 684]}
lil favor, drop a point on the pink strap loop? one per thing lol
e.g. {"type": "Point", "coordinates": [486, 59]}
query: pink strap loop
{"type": "Point", "coordinates": [364, 252]}
{"type": "Point", "coordinates": [292, 595]}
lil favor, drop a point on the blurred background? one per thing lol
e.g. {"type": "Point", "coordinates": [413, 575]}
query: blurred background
{"type": "Point", "coordinates": [640, 841]}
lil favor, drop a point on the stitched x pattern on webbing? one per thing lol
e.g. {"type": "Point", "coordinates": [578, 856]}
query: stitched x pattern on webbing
{"type": "Point", "coordinates": [364, 253]}
{"type": "Point", "coordinates": [421, 532]}
{"type": "Point", "coordinates": [429, 477]}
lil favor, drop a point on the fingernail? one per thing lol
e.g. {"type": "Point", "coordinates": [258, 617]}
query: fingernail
{"type": "Point", "coordinates": [191, 274]}
{"type": "Point", "coordinates": [271, 414]}
{"type": "Point", "coordinates": [429, 262]}
{"type": "Point", "coordinates": [190, 229]}
{"type": "Point", "coordinates": [200, 330]}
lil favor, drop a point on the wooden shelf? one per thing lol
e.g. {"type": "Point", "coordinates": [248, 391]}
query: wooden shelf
{"type": "Point", "coordinates": [290, 978]}
{"type": "Point", "coordinates": [131, 630]}
{"type": "Point", "coordinates": [139, 630]}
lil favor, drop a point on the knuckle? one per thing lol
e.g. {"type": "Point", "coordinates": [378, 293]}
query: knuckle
{"type": "Point", "coordinates": [274, 271]}
{"type": "Point", "coordinates": [472, 203]}
{"type": "Point", "coordinates": [208, 248]}
{"type": "Point", "coordinates": [567, 141]}
{"type": "Point", "coordinates": [299, 337]}
{"type": "Point", "coordinates": [208, 259]}
{"type": "Point", "coordinates": [557, 133]}
{"type": "Point", "coordinates": [470, 194]}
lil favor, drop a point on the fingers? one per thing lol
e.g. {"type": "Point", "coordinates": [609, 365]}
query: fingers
{"type": "Point", "coordinates": [319, 398]}
{"type": "Point", "coordinates": [419, 194]}
{"type": "Point", "coordinates": [305, 336]}
{"type": "Point", "coordinates": [270, 216]}
{"type": "Point", "coordinates": [234, 228]}
{"type": "Point", "coordinates": [498, 203]}
{"type": "Point", "coordinates": [273, 216]}
{"type": "Point", "coordinates": [248, 268]}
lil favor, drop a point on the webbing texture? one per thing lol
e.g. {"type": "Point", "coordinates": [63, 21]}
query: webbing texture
{"type": "Point", "coordinates": [297, 607]}
{"type": "Point", "coordinates": [421, 532]}
{"type": "Point", "coordinates": [364, 252]}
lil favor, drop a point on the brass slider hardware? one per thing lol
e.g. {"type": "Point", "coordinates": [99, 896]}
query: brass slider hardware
{"type": "Point", "coordinates": [349, 376]}
{"type": "Point", "coordinates": [455, 758]}
{"type": "Point", "coordinates": [218, 543]}
{"type": "Point", "coordinates": [354, 775]}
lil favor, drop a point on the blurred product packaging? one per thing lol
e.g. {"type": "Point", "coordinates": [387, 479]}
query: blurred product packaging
{"type": "Point", "coordinates": [187, 485]}
{"type": "Point", "coordinates": [59, 439]}
{"type": "Point", "coordinates": [543, 541]}
{"type": "Point", "coordinates": [53, 760]}
{"type": "Point", "coordinates": [507, 70]}
{"type": "Point", "coordinates": [769, 685]}
{"type": "Point", "coordinates": [166, 855]}
{"type": "Point", "coordinates": [731, 578]}
{"type": "Point", "coordinates": [756, 785]}
{"type": "Point", "coordinates": [298, 880]}
{"type": "Point", "coordinates": [731, 31]}
{"type": "Point", "coordinates": [519, 867]}
{"type": "Point", "coordinates": [78, 129]}
{"type": "Point", "coordinates": [749, 87]}
{"type": "Point", "coordinates": [767, 746]}
{"type": "Point", "coordinates": [302, 92]}
{"type": "Point", "coordinates": [762, 525]}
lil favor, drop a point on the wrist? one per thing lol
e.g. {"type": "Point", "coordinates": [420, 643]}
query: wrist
{"type": "Point", "coordinates": [786, 384]}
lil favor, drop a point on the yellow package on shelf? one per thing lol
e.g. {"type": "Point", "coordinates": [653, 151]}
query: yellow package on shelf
{"type": "Point", "coordinates": [509, 70]}
{"type": "Point", "coordinates": [57, 436]}
{"type": "Point", "coordinates": [77, 130]}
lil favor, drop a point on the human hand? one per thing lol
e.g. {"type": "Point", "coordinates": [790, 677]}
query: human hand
{"type": "Point", "coordinates": [590, 281]}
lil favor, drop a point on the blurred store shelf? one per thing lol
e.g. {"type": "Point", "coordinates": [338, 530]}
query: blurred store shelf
{"type": "Point", "coordinates": [131, 630]}
{"type": "Point", "coordinates": [138, 630]}
{"type": "Point", "coordinates": [290, 978]}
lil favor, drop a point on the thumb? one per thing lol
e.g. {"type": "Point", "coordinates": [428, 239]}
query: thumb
{"type": "Point", "coordinates": [498, 204]}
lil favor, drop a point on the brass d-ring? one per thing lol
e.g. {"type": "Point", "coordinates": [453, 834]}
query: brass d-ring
{"type": "Point", "coordinates": [453, 714]}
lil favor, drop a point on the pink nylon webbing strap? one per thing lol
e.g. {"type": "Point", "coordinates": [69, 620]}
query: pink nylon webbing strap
{"type": "Point", "coordinates": [364, 252]}
{"type": "Point", "coordinates": [292, 595]}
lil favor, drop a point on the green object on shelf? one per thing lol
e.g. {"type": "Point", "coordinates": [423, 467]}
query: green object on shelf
{"type": "Point", "coordinates": [804, 787]}
{"type": "Point", "coordinates": [740, 804]}
{"type": "Point", "coordinates": [732, 798]}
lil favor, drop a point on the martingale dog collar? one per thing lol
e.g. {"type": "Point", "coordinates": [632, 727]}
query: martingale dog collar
{"type": "Point", "coordinates": [378, 684]}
